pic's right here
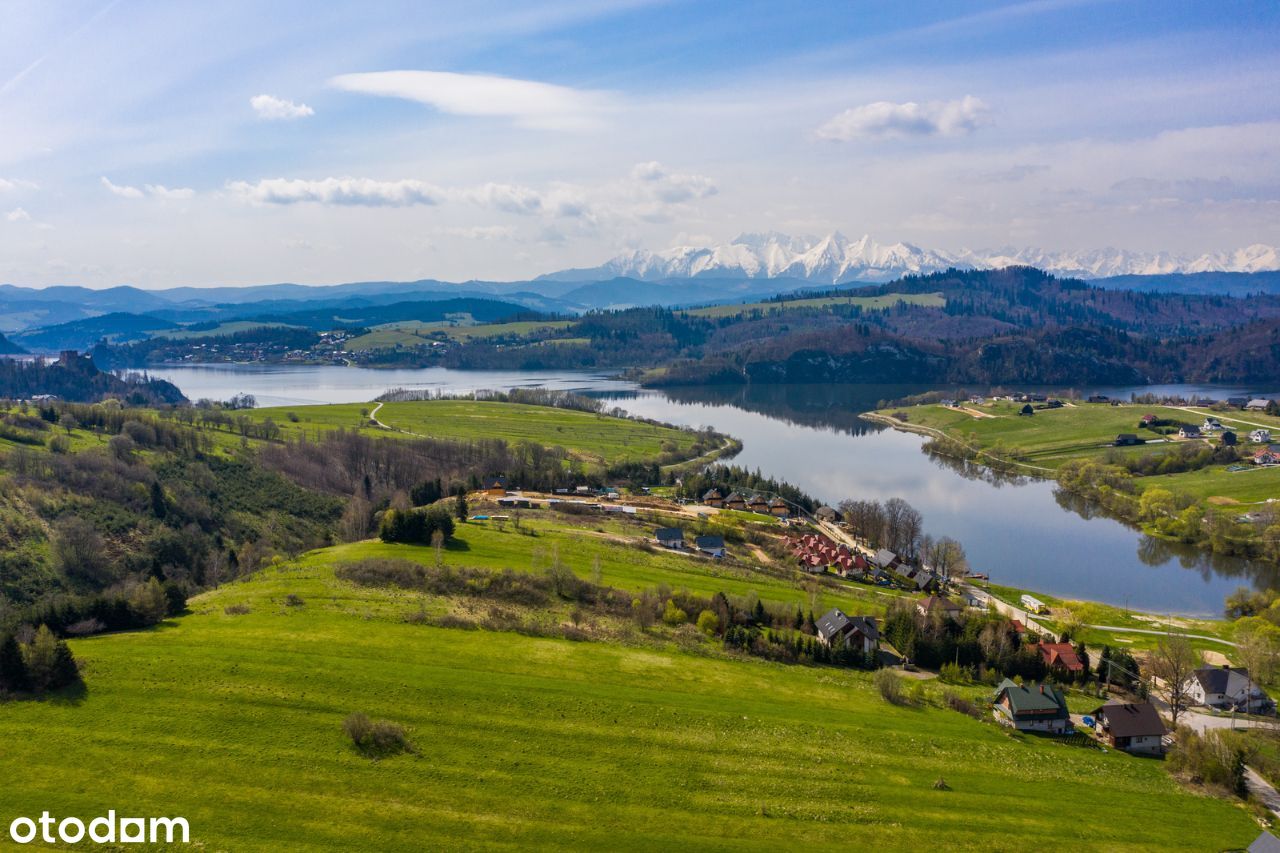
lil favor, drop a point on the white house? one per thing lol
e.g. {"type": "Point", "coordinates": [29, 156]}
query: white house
{"type": "Point", "coordinates": [1133, 727]}
{"type": "Point", "coordinates": [1260, 436]}
{"type": "Point", "coordinates": [1211, 425]}
{"type": "Point", "coordinates": [1227, 687]}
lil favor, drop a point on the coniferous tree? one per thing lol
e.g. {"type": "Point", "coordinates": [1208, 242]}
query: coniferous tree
{"type": "Point", "coordinates": [13, 669]}
{"type": "Point", "coordinates": [460, 509]}
{"type": "Point", "coordinates": [64, 671]}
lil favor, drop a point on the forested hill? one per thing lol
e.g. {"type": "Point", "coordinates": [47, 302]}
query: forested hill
{"type": "Point", "coordinates": [8, 347]}
{"type": "Point", "coordinates": [78, 379]}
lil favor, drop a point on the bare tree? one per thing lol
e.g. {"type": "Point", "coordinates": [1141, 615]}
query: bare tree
{"type": "Point", "coordinates": [1172, 662]}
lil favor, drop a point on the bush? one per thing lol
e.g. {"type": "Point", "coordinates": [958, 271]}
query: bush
{"type": "Point", "coordinates": [376, 738]}
{"type": "Point", "coordinates": [954, 673]}
{"type": "Point", "coordinates": [673, 615]}
{"type": "Point", "coordinates": [236, 609]}
{"type": "Point", "coordinates": [958, 703]}
{"type": "Point", "coordinates": [708, 622]}
{"type": "Point", "coordinates": [292, 600]}
{"type": "Point", "coordinates": [890, 687]}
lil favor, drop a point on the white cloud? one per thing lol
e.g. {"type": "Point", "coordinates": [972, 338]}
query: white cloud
{"type": "Point", "coordinates": [526, 102]}
{"type": "Point", "coordinates": [505, 197]}
{"type": "Point", "coordinates": [122, 191]}
{"type": "Point", "coordinates": [8, 185]}
{"type": "Point", "coordinates": [153, 190]}
{"type": "Point", "coordinates": [271, 108]}
{"type": "Point", "coordinates": [161, 191]}
{"type": "Point", "coordinates": [885, 118]}
{"type": "Point", "coordinates": [345, 192]}
{"type": "Point", "coordinates": [482, 232]}
{"type": "Point", "coordinates": [18, 215]}
{"type": "Point", "coordinates": [671, 188]}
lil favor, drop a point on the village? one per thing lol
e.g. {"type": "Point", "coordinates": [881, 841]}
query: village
{"type": "Point", "coordinates": [1135, 709]}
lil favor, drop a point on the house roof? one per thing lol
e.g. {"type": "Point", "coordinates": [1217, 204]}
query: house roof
{"type": "Point", "coordinates": [1061, 654]}
{"type": "Point", "coordinates": [834, 622]}
{"type": "Point", "coordinates": [711, 495]}
{"type": "Point", "coordinates": [1189, 429]}
{"type": "Point", "coordinates": [734, 497]}
{"type": "Point", "coordinates": [1033, 698]}
{"type": "Point", "coordinates": [1131, 719]}
{"type": "Point", "coordinates": [709, 542]}
{"type": "Point", "coordinates": [884, 557]}
{"type": "Point", "coordinates": [1214, 679]}
{"type": "Point", "coordinates": [1265, 843]}
{"type": "Point", "coordinates": [669, 534]}
{"type": "Point", "coordinates": [494, 482]}
{"type": "Point", "coordinates": [825, 512]}
{"type": "Point", "coordinates": [938, 603]}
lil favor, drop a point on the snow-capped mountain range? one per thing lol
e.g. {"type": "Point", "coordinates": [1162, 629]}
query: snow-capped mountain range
{"type": "Point", "coordinates": [835, 259]}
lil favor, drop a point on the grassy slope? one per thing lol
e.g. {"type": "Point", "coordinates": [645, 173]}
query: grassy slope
{"type": "Point", "coordinates": [591, 437]}
{"type": "Point", "coordinates": [417, 333]}
{"type": "Point", "coordinates": [234, 722]}
{"type": "Point", "coordinates": [1053, 436]}
{"type": "Point", "coordinates": [868, 303]}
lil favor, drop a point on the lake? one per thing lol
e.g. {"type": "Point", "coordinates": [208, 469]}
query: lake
{"type": "Point", "coordinates": [1020, 532]}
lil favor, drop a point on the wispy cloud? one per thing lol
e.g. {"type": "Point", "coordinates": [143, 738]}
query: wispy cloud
{"type": "Point", "coordinates": [271, 108]}
{"type": "Point", "coordinates": [673, 188]}
{"type": "Point", "coordinates": [344, 192]}
{"type": "Point", "coordinates": [528, 103]}
{"type": "Point", "coordinates": [885, 118]}
{"type": "Point", "coordinates": [153, 190]}
{"type": "Point", "coordinates": [482, 232]}
{"type": "Point", "coordinates": [122, 191]}
{"type": "Point", "coordinates": [8, 185]}
{"type": "Point", "coordinates": [18, 215]}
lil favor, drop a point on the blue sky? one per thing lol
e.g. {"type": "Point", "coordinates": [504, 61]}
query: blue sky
{"type": "Point", "coordinates": [167, 143]}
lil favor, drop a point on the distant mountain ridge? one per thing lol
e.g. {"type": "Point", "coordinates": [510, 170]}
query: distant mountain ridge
{"type": "Point", "coordinates": [835, 259]}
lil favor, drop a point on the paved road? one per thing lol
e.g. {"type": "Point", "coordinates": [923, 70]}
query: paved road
{"type": "Point", "coordinates": [1263, 790]}
{"type": "Point", "coordinates": [1009, 610]}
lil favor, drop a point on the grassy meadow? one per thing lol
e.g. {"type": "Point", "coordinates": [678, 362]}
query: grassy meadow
{"type": "Point", "coordinates": [591, 437]}
{"type": "Point", "coordinates": [418, 333]}
{"type": "Point", "coordinates": [1051, 437]}
{"type": "Point", "coordinates": [232, 717]}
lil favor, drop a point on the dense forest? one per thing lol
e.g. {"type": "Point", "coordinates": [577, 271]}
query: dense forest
{"type": "Point", "coordinates": [78, 379]}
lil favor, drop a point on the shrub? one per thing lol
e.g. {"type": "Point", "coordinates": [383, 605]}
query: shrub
{"type": "Point", "coordinates": [708, 622]}
{"type": "Point", "coordinates": [292, 600]}
{"type": "Point", "coordinates": [954, 673]}
{"type": "Point", "coordinates": [673, 615]}
{"type": "Point", "coordinates": [236, 609]}
{"type": "Point", "coordinates": [890, 687]}
{"type": "Point", "coordinates": [958, 703]}
{"type": "Point", "coordinates": [376, 738]}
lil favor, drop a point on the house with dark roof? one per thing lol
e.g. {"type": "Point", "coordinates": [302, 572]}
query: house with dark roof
{"type": "Point", "coordinates": [1031, 707]}
{"type": "Point", "coordinates": [1061, 658]}
{"type": "Point", "coordinates": [1227, 687]}
{"type": "Point", "coordinates": [826, 513]}
{"type": "Point", "coordinates": [1188, 431]}
{"type": "Point", "coordinates": [859, 632]}
{"type": "Point", "coordinates": [713, 498]}
{"type": "Point", "coordinates": [495, 485]}
{"type": "Point", "coordinates": [670, 537]}
{"type": "Point", "coordinates": [944, 607]}
{"type": "Point", "coordinates": [758, 504]}
{"type": "Point", "coordinates": [778, 507]}
{"type": "Point", "coordinates": [1131, 726]}
{"type": "Point", "coordinates": [710, 545]}
{"type": "Point", "coordinates": [885, 559]}
{"type": "Point", "coordinates": [1127, 439]}
{"type": "Point", "coordinates": [1260, 436]}
{"type": "Point", "coordinates": [1265, 843]}
{"type": "Point", "coordinates": [735, 501]}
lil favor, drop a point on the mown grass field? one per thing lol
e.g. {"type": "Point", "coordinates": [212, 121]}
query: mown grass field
{"type": "Point", "coordinates": [1051, 437]}
{"type": "Point", "coordinates": [867, 303]}
{"type": "Point", "coordinates": [234, 722]}
{"type": "Point", "coordinates": [590, 437]}
{"type": "Point", "coordinates": [417, 333]}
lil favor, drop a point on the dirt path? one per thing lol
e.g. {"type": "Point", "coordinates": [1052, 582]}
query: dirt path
{"type": "Point", "coordinates": [760, 554]}
{"type": "Point", "coordinates": [975, 412]}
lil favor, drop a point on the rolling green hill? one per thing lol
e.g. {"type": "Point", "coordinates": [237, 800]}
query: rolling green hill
{"type": "Point", "coordinates": [232, 717]}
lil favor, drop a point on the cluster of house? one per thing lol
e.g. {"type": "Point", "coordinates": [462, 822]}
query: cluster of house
{"type": "Point", "coordinates": [673, 538]}
{"type": "Point", "coordinates": [756, 503]}
{"type": "Point", "coordinates": [817, 553]}
{"type": "Point", "coordinates": [1130, 726]}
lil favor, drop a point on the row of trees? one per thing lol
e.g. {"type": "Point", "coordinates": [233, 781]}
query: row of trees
{"type": "Point", "coordinates": [416, 526]}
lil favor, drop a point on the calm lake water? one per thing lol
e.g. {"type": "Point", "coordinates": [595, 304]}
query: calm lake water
{"type": "Point", "coordinates": [1020, 532]}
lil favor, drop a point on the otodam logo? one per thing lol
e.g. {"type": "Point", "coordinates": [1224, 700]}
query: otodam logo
{"type": "Point", "coordinates": [100, 830]}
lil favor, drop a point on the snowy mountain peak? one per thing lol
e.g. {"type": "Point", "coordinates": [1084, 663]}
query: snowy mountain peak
{"type": "Point", "coordinates": [834, 259]}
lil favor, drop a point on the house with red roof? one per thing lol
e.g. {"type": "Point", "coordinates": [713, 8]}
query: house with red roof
{"type": "Point", "coordinates": [1061, 657]}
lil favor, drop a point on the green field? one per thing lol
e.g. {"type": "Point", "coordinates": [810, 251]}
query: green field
{"type": "Point", "coordinates": [222, 329]}
{"type": "Point", "coordinates": [590, 437]}
{"type": "Point", "coordinates": [1050, 437]}
{"type": "Point", "coordinates": [234, 722]}
{"type": "Point", "coordinates": [867, 303]}
{"type": "Point", "coordinates": [416, 333]}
